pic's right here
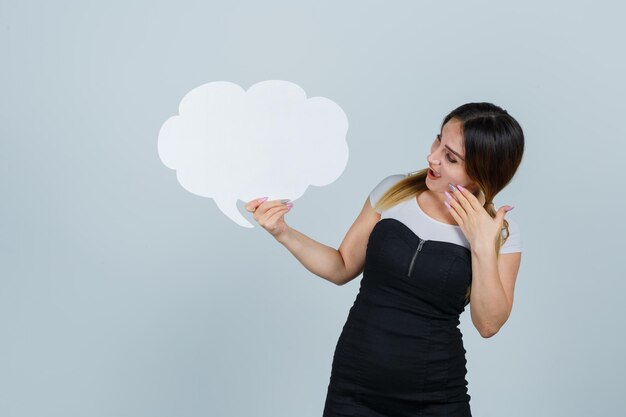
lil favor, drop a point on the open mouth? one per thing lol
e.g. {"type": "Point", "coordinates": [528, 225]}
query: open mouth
{"type": "Point", "coordinates": [433, 174]}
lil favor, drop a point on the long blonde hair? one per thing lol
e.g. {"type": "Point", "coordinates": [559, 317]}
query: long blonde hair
{"type": "Point", "coordinates": [494, 145]}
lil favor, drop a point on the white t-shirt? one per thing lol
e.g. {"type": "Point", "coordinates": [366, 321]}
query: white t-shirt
{"type": "Point", "coordinates": [411, 214]}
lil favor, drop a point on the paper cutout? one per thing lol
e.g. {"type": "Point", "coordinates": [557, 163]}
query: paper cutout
{"type": "Point", "coordinates": [228, 144]}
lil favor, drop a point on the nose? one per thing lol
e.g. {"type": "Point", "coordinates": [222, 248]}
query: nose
{"type": "Point", "coordinates": [432, 160]}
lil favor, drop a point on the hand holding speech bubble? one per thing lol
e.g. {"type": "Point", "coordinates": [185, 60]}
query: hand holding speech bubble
{"type": "Point", "coordinates": [271, 140]}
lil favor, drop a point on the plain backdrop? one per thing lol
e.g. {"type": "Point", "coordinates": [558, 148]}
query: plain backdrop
{"type": "Point", "coordinates": [122, 294]}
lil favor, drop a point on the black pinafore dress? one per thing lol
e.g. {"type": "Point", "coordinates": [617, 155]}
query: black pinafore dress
{"type": "Point", "coordinates": [400, 352]}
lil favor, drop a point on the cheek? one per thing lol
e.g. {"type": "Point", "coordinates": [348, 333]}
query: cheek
{"type": "Point", "coordinates": [455, 174]}
{"type": "Point", "coordinates": [461, 178]}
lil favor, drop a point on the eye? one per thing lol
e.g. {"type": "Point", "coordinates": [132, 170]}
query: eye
{"type": "Point", "coordinates": [447, 153]}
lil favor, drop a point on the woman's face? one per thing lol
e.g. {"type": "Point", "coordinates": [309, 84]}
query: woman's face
{"type": "Point", "coordinates": [446, 158]}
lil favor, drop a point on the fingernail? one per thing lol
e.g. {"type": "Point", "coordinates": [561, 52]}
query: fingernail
{"type": "Point", "coordinates": [286, 200]}
{"type": "Point", "coordinates": [509, 208]}
{"type": "Point", "coordinates": [447, 205]}
{"type": "Point", "coordinates": [460, 187]}
{"type": "Point", "coordinates": [290, 205]}
{"type": "Point", "coordinates": [451, 186]}
{"type": "Point", "coordinates": [262, 199]}
{"type": "Point", "coordinates": [448, 195]}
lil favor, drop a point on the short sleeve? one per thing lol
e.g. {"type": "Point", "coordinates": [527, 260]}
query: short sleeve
{"type": "Point", "coordinates": [514, 242]}
{"type": "Point", "coordinates": [383, 186]}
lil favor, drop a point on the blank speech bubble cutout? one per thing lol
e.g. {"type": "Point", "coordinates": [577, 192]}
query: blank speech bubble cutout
{"type": "Point", "coordinates": [229, 144]}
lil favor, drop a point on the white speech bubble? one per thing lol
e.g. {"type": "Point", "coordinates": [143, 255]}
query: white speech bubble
{"type": "Point", "coordinates": [230, 144]}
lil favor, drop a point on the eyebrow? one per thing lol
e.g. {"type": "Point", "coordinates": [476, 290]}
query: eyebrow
{"type": "Point", "coordinates": [452, 150]}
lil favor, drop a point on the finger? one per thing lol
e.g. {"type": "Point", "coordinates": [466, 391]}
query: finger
{"type": "Point", "coordinates": [471, 198]}
{"type": "Point", "coordinates": [272, 215]}
{"type": "Point", "coordinates": [262, 208]}
{"type": "Point", "coordinates": [458, 208]}
{"type": "Point", "coordinates": [456, 191]}
{"type": "Point", "coordinates": [266, 210]}
{"type": "Point", "coordinates": [452, 211]}
{"type": "Point", "coordinates": [251, 206]}
{"type": "Point", "coordinates": [277, 214]}
{"type": "Point", "coordinates": [502, 211]}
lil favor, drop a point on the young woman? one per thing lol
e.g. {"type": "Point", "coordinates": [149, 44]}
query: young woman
{"type": "Point", "coordinates": [428, 243]}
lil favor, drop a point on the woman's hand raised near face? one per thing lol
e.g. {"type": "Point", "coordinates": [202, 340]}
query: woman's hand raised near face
{"type": "Point", "coordinates": [269, 214]}
{"type": "Point", "coordinates": [480, 229]}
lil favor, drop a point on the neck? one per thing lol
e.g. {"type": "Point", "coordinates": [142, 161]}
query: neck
{"type": "Point", "coordinates": [442, 197]}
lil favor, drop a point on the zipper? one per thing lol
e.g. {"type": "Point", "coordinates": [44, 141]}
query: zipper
{"type": "Point", "coordinates": [419, 247]}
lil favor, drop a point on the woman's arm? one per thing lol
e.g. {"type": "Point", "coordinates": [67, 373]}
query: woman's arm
{"type": "Point", "coordinates": [337, 266]}
{"type": "Point", "coordinates": [493, 283]}
{"type": "Point", "coordinates": [493, 277]}
{"type": "Point", "coordinates": [322, 260]}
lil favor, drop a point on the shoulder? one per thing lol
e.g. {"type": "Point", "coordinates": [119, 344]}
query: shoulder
{"type": "Point", "coordinates": [514, 241]}
{"type": "Point", "coordinates": [389, 181]}
{"type": "Point", "coordinates": [383, 185]}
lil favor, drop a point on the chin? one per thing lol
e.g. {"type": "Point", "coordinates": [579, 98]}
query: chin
{"type": "Point", "coordinates": [440, 187]}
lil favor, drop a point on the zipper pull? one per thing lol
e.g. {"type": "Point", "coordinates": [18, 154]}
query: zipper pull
{"type": "Point", "coordinates": [419, 247]}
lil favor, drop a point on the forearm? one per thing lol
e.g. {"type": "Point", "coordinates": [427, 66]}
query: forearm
{"type": "Point", "coordinates": [489, 306]}
{"type": "Point", "coordinates": [322, 260]}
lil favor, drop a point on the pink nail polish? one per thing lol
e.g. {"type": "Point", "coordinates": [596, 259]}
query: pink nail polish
{"type": "Point", "coordinates": [448, 195]}
{"type": "Point", "coordinates": [460, 187]}
{"type": "Point", "coordinates": [509, 208]}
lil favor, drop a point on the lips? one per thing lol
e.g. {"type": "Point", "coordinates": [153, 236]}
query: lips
{"type": "Point", "coordinates": [434, 173]}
